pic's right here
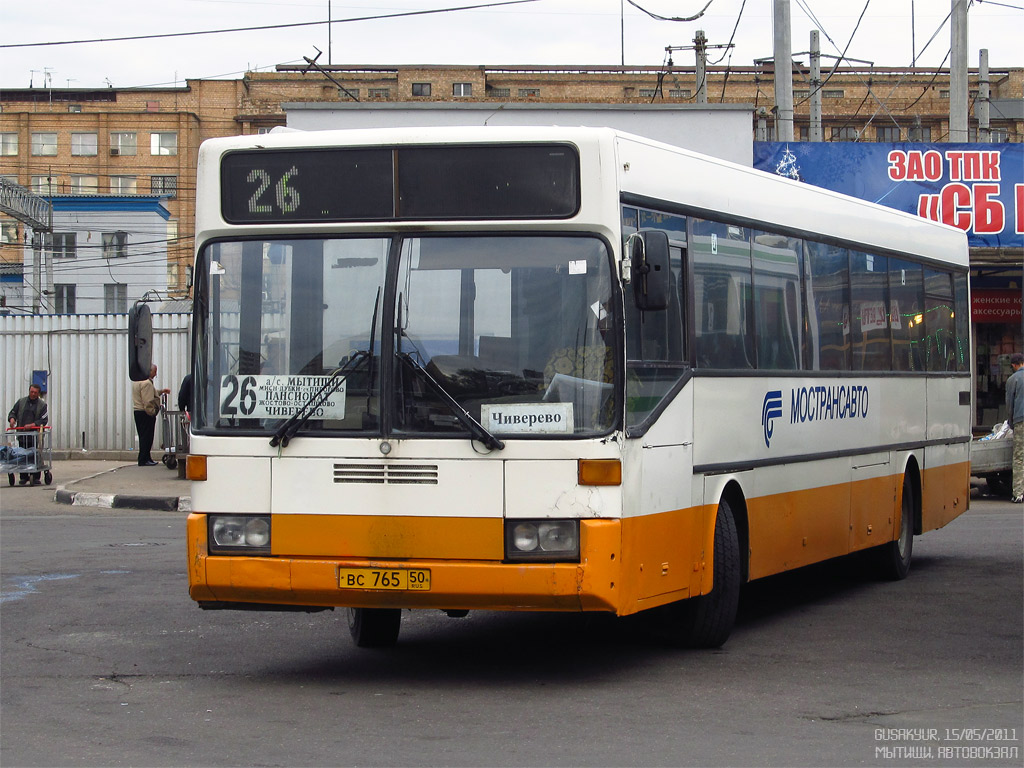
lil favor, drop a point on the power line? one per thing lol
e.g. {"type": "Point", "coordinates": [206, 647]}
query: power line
{"type": "Point", "coordinates": [277, 26]}
{"type": "Point", "coordinates": [656, 17]}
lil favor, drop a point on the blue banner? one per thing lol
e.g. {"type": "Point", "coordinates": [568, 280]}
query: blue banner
{"type": "Point", "coordinates": [976, 187]}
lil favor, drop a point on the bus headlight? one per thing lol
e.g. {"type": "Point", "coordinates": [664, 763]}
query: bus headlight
{"type": "Point", "coordinates": [239, 533]}
{"type": "Point", "coordinates": [542, 540]}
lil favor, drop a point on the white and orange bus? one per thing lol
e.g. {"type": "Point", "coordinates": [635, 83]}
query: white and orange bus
{"type": "Point", "coordinates": [557, 369]}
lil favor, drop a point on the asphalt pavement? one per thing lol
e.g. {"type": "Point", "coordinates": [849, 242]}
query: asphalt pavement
{"type": "Point", "coordinates": [112, 484]}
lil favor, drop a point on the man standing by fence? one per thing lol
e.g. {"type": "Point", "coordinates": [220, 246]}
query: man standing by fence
{"type": "Point", "coordinates": [146, 405]}
{"type": "Point", "coordinates": [29, 411]}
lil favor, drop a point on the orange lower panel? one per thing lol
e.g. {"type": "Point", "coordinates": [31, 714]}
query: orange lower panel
{"type": "Point", "coordinates": [626, 566]}
{"type": "Point", "coordinates": [946, 492]}
{"type": "Point", "coordinates": [590, 585]}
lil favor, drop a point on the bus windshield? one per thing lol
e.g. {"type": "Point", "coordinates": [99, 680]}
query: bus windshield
{"type": "Point", "coordinates": [407, 336]}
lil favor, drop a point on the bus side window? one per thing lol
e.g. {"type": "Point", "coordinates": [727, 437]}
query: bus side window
{"type": "Point", "coordinates": [869, 282]}
{"type": "Point", "coordinates": [939, 325]}
{"type": "Point", "coordinates": [906, 314]}
{"type": "Point", "coordinates": [963, 323]}
{"type": "Point", "coordinates": [777, 262]}
{"type": "Point", "coordinates": [828, 307]}
{"type": "Point", "coordinates": [722, 295]}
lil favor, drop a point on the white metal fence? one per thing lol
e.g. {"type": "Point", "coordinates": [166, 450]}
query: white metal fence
{"type": "Point", "coordinates": [86, 358]}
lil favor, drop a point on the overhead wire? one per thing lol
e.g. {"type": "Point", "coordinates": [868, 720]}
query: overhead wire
{"type": "Point", "coordinates": [429, 11]}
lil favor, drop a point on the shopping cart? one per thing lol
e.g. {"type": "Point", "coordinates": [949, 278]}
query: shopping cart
{"type": "Point", "coordinates": [26, 450]}
{"type": "Point", "coordinates": [173, 434]}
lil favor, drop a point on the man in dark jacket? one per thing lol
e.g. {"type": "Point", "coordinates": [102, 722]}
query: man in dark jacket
{"type": "Point", "coordinates": [1015, 408]}
{"type": "Point", "coordinates": [29, 411]}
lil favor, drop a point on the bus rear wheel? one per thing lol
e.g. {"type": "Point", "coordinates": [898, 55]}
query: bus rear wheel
{"type": "Point", "coordinates": [892, 560]}
{"type": "Point", "coordinates": [707, 621]}
{"type": "Point", "coordinates": [374, 627]}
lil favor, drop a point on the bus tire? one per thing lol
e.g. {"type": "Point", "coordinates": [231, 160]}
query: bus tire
{"type": "Point", "coordinates": [892, 560]}
{"type": "Point", "coordinates": [374, 627]}
{"type": "Point", "coordinates": [707, 621]}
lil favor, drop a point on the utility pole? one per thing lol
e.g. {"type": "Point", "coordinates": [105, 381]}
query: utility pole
{"type": "Point", "coordinates": [700, 48]}
{"type": "Point", "coordinates": [958, 72]}
{"type": "Point", "coordinates": [783, 73]}
{"type": "Point", "coordinates": [815, 133]}
{"type": "Point", "coordinates": [981, 106]}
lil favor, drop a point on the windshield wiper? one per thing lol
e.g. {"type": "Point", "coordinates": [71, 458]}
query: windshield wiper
{"type": "Point", "coordinates": [295, 422]}
{"type": "Point", "coordinates": [478, 430]}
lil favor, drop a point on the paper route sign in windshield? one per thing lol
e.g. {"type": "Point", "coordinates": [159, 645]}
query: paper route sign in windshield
{"type": "Point", "coordinates": [276, 397]}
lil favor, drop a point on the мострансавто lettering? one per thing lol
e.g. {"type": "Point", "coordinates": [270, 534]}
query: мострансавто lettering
{"type": "Point", "coordinates": [823, 403]}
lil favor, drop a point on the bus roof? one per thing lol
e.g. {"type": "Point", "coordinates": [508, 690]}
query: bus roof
{"type": "Point", "coordinates": [669, 177]}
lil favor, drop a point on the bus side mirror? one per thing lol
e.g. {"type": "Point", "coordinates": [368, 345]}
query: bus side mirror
{"type": "Point", "coordinates": [140, 342]}
{"type": "Point", "coordinates": [651, 276]}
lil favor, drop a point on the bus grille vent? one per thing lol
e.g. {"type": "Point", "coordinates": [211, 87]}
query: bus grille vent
{"type": "Point", "coordinates": [386, 474]}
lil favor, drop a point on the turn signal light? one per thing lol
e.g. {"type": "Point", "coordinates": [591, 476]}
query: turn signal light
{"type": "Point", "coordinates": [599, 472]}
{"type": "Point", "coordinates": [195, 467]}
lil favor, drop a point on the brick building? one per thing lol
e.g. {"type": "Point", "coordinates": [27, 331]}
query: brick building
{"type": "Point", "coordinates": [145, 141]}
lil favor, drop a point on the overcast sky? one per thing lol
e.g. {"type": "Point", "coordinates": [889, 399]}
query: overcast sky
{"type": "Point", "coordinates": [549, 32]}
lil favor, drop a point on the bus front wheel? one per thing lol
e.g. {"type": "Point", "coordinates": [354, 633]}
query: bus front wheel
{"type": "Point", "coordinates": [707, 621]}
{"type": "Point", "coordinates": [374, 627]}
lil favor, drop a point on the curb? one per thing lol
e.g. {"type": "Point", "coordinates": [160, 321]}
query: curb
{"type": "Point", "coordinates": [119, 500]}
{"type": "Point", "coordinates": [122, 501]}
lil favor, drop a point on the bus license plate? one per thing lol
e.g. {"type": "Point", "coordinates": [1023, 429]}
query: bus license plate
{"type": "Point", "coordinates": [412, 579]}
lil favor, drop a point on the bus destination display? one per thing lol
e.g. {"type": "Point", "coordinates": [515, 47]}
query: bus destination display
{"type": "Point", "coordinates": [425, 183]}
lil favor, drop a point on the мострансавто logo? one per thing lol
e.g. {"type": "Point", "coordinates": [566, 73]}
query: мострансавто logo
{"type": "Point", "coordinates": [810, 404]}
{"type": "Point", "coordinates": [771, 410]}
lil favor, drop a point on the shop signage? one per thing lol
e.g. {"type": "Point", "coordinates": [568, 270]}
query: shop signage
{"type": "Point", "coordinates": [976, 187]}
{"type": "Point", "coordinates": [996, 306]}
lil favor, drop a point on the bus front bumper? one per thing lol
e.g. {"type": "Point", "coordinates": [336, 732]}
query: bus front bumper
{"type": "Point", "coordinates": [240, 580]}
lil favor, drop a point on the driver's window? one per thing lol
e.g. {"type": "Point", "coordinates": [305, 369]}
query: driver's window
{"type": "Point", "coordinates": [656, 356]}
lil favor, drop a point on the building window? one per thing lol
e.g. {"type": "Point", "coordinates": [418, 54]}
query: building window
{"type": "Point", "coordinates": [115, 245]}
{"type": "Point", "coordinates": [164, 185]}
{"type": "Point", "coordinates": [998, 135]}
{"type": "Point", "coordinates": [123, 143]}
{"type": "Point", "coordinates": [919, 133]}
{"type": "Point", "coordinates": [64, 298]}
{"type": "Point", "coordinates": [8, 232]}
{"type": "Point", "coordinates": [85, 185]}
{"type": "Point", "coordinates": [63, 245]}
{"type": "Point", "coordinates": [527, 93]}
{"type": "Point", "coordinates": [84, 144]}
{"type": "Point", "coordinates": [44, 144]}
{"type": "Point", "coordinates": [74, 108]}
{"type": "Point", "coordinates": [164, 143]}
{"type": "Point", "coordinates": [888, 133]}
{"type": "Point", "coordinates": [836, 93]}
{"type": "Point", "coordinates": [115, 298]}
{"type": "Point", "coordinates": [8, 144]}
{"type": "Point", "coordinates": [680, 93]}
{"type": "Point", "coordinates": [44, 185]}
{"type": "Point", "coordinates": [462, 89]}
{"type": "Point", "coordinates": [421, 89]}
{"type": "Point", "coordinates": [123, 185]}
{"type": "Point", "coordinates": [500, 93]}
{"type": "Point", "coordinates": [845, 133]}
{"type": "Point", "coordinates": [648, 93]}
{"type": "Point", "coordinates": [378, 93]}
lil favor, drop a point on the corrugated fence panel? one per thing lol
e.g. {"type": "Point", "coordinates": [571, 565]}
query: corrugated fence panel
{"type": "Point", "coordinates": [89, 394]}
